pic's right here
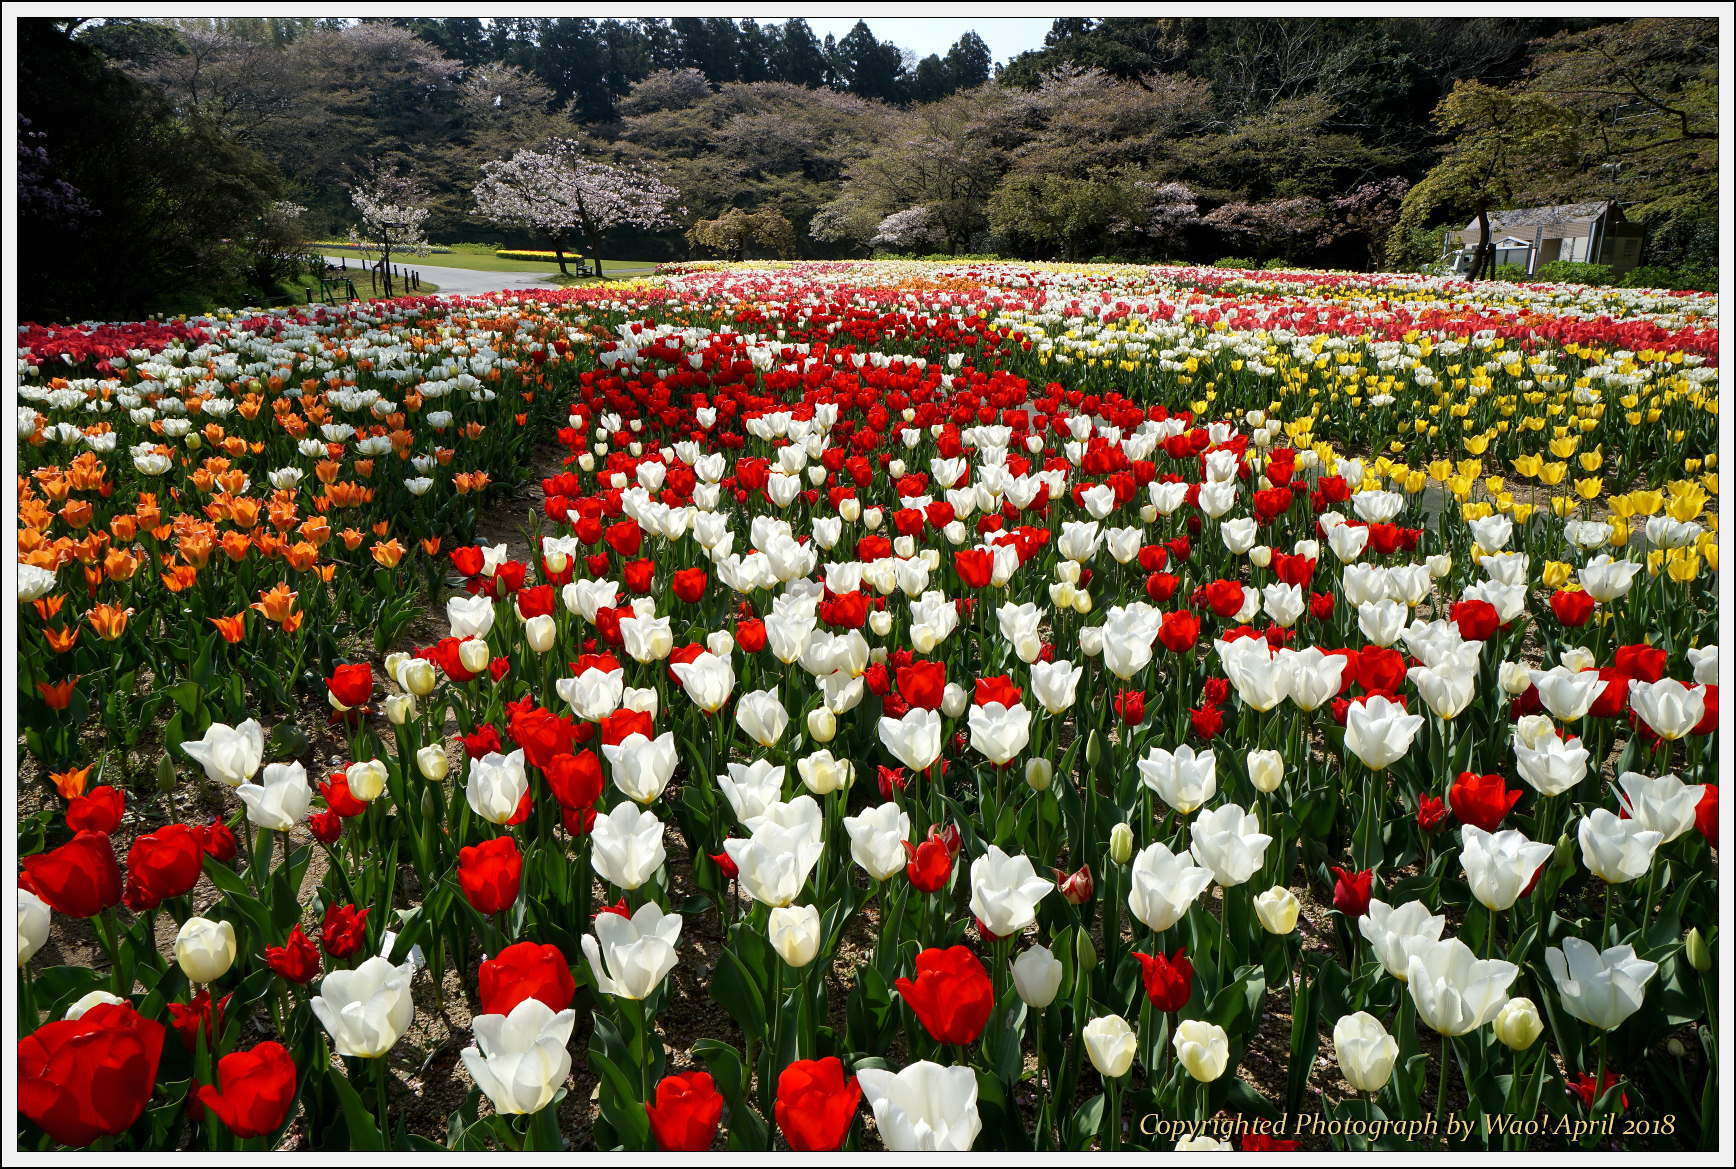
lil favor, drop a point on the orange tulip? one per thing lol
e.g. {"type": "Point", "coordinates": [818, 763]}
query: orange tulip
{"type": "Point", "coordinates": [277, 604]}
{"type": "Point", "coordinates": [292, 622]}
{"type": "Point", "coordinates": [301, 556]}
{"type": "Point", "coordinates": [121, 564]}
{"type": "Point", "coordinates": [70, 783]}
{"type": "Point", "coordinates": [388, 554]}
{"type": "Point", "coordinates": [61, 640]}
{"type": "Point", "coordinates": [109, 621]}
{"type": "Point", "coordinates": [352, 538]}
{"type": "Point", "coordinates": [232, 628]}
{"type": "Point", "coordinates": [180, 577]}
{"type": "Point", "coordinates": [76, 512]}
{"type": "Point", "coordinates": [48, 608]}
{"type": "Point", "coordinates": [58, 695]}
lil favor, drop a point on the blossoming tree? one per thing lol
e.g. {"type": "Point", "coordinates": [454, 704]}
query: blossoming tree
{"type": "Point", "coordinates": [393, 207]}
{"type": "Point", "coordinates": [560, 193]}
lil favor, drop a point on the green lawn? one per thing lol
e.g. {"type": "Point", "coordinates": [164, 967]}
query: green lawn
{"type": "Point", "coordinates": [481, 258]}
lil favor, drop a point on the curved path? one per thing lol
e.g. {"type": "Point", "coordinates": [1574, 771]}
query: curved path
{"type": "Point", "coordinates": [461, 281]}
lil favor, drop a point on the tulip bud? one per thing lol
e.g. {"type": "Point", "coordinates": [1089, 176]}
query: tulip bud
{"type": "Point", "coordinates": [205, 949]}
{"type": "Point", "coordinates": [1265, 770]}
{"type": "Point", "coordinates": [417, 676]}
{"type": "Point", "coordinates": [366, 779]}
{"type": "Point", "coordinates": [880, 621]}
{"type": "Point", "coordinates": [1093, 749]}
{"type": "Point", "coordinates": [1121, 843]}
{"type": "Point", "coordinates": [720, 642]}
{"type": "Point", "coordinates": [1699, 955]}
{"type": "Point", "coordinates": [539, 632]}
{"type": "Point", "coordinates": [1110, 1043]}
{"type": "Point", "coordinates": [1202, 1048]}
{"type": "Point", "coordinates": [795, 934]}
{"type": "Point", "coordinates": [1365, 1051]}
{"type": "Point", "coordinates": [850, 509]}
{"type": "Point", "coordinates": [1439, 565]}
{"type": "Point", "coordinates": [1148, 514]}
{"type": "Point", "coordinates": [94, 998]}
{"type": "Point", "coordinates": [822, 725]}
{"type": "Point", "coordinates": [1081, 606]}
{"type": "Point", "coordinates": [1037, 977]}
{"type": "Point", "coordinates": [1515, 678]}
{"type": "Point", "coordinates": [1675, 1047]}
{"type": "Point", "coordinates": [431, 761]}
{"type": "Point", "coordinates": [1260, 556]}
{"type": "Point", "coordinates": [1084, 953]}
{"type": "Point", "coordinates": [400, 708]}
{"type": "Point", "coordinates": [1518, 1025]}
{"type": "Point", "coordinates": [473, 654]}
{"type": "Point", "coordinates": [1039, 774]}
{"type": "Point", "coordinates": [427, 804]}
{"type": "Point", "coordinates": [395, 662]}
{"type": "Point", "coordinates": [954, 700]}
{"type": "Point", "coordinates": [1277, 909]}
{"type": "Point", "coordinates": [871, 518]}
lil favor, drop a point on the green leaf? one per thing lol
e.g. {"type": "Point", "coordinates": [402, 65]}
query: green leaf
{"type": "Point", "coordinates": [364, 1134]}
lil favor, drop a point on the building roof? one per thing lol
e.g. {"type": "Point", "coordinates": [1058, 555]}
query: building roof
{"type": "Point", "coordinates": [1560, 215]}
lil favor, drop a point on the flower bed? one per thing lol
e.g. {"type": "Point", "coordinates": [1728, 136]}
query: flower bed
{"type": "Point", "coordinates": [1045, 707]}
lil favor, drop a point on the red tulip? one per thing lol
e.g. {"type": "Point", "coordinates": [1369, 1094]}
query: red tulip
{"type": "Point", "coordinates": [1130, 705]}
{"type": "Point", "coordinates": [202, 1013]}
{"type": "Point", "coordinates": [1572, 608]}
{"type": "Point", "coordinates": [922, 684]}
{"type": "Point", "coordinates": [1075, 887]}
{"type": "Point", "coordinates": [163, 864]}
{"type": "Point", "coordinates": [489, 874]}
{"type": "Point", "coordinates": [78, 879]}
{"type": "Point", "coordinates": [1431, 813]}
{"type": "Point", "coordinates": [1351, 891]}
{"type": "Point", "coordinates": [1481, 800]}
{"type": "Point", "coordinates": [974, 566]}
{"type": "Point", "coordinates": [684, 1118]}
{"type": "Point", "coordinates": [326, 826]}
{"type": "Point", "coordinates": [816, 1104]}
{"type": "Point", "coordinates": [1706, 815]}
{"type": "Point", "coordinates": [999, 689]}
{"type": "Point", "coordinates": [1180, 631]}
{"type": "Point", "coordinates": [576, 780]}
{"type": "Point", "coordinates": [1168, 979]}
{"type": "Point", "coordinates": [951, 994]}
{"type": "Point", "coordinates": [343, 930]}
{"type": "Point", "coordinates": [254, 1090]}
{"type": "Point", "coordinates": [90, 1077]}
{"type": "Point", "coordinates": [930, 863]}
{"type": "Point", "coordinates": [98, 810]}
{"type": "Point", "coordinates": [219, 841]}
{"type": "Point", "coordinates": [688, 584]}
{"type": "Point", "coordinates": [1477, 620]}
{"type": "Point", "coordinates": [297, 960]}
{"type": "Point", "coordinates": [525, 970]}
{"type": "Point", "coordinates": [1644, 663]}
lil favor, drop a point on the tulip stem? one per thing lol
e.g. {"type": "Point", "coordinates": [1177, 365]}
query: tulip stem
{"type": "Point", "coordinates": [1441, 1085]}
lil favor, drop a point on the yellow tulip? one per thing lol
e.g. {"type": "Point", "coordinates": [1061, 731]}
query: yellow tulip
{"type": "Point", "coordinates": [1556, 573]}
{"type": "Point", "coordinates": [1552, 473]}
{"type": "Point", "coordinates": [1588, 488]}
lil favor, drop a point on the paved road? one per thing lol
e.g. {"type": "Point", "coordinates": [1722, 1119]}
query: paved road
{"type": "Point", "coordinates": [463, 281]}
{"type": "Point", "coordinates": [468, 281]}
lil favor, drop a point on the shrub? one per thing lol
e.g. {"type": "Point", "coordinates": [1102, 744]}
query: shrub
{"type": "Point", "coordinates": [1513, 273]}
{"type": "Point", "coordinates": [535, 257]}
{"type": "Point", "coordinates": [1574, 272]}
{"type": "Point", "coordinates": [1235, 262]}
{"type": "Point", "coordinates": [1675, 279]}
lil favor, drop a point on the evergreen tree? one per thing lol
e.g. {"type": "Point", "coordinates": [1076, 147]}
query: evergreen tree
{"type": "Point", "coordinates": [968, 62]}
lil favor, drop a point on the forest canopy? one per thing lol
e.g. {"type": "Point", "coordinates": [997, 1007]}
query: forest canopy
{"type": "Point", "coordinates": [1296, 140]}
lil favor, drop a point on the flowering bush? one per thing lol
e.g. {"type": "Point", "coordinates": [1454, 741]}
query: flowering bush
{"type": "Point", "coordinates": [1045, 708]}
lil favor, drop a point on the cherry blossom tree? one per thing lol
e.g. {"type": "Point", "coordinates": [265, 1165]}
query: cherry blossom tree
{"type": "Point", "coordinates": [910, 228]}
{"type": "Point", "coordinates": [559, 192]}
{"type": "Point", "coordinates": [393, 205]}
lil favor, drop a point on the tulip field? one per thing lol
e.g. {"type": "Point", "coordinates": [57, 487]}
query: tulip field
{"type": "Point", "coordinates": [899, 705]}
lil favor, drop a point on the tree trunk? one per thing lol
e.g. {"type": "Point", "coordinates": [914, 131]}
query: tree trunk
{"type": "Point", "coordinates": [560, 257]}
{"type": "Point", "coordinates": [1485, 247]}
